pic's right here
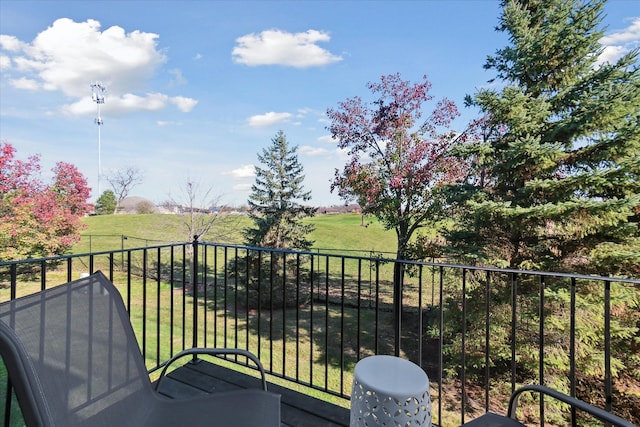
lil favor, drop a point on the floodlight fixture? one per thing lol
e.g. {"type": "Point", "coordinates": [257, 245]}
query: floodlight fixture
{"type": "Point", "coordinates": [97, 96]}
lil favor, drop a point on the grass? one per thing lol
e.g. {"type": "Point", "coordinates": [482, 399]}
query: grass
{"type": "Point", "coordinates": [335, 232]}
{"type": "Point", "coordinates": [352, 232]}
{"type": "Point", "coordinates": [111, 232]}
{"type": "Point", "coordinates": [297, 349]}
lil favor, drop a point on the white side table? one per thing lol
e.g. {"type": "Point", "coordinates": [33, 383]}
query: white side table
{"type": "Point", "coordinates": [389, 391]}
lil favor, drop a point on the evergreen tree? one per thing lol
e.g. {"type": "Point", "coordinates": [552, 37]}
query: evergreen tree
{"type": "Point", "coordinates": [274, 203]}
{"type": "Point", "coordinates": [555, 183]}
{"type": "Point", "coordinates": [106, 203]}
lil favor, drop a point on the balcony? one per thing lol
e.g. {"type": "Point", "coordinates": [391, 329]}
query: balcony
{"type": "Point", "coordinates": [477, 332]}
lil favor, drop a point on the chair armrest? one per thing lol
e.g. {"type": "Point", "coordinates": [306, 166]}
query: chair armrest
{"type": "Point", "coordinates": [601, 414]}
{"type": "Point", "coordinates": [215, 352]}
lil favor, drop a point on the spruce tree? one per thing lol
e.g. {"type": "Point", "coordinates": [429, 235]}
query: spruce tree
{"type": "Point", "coordinates": [106, 203]}
{"type": "Point", "coordinates": [275, 200]}
{"type": "Point", "coordinates": [553, 185]}
{"type": "Point", "coordinates": [555, 180]}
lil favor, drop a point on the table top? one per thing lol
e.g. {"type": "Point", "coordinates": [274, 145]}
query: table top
{"type": "Point", "coordinates": [391, 375]}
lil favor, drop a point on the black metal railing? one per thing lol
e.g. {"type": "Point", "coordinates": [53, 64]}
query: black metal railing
{"type": "Point", "coordinates": [477, 332]}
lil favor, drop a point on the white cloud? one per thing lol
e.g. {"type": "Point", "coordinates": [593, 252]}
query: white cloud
{"type": "Point", "coordinates": [69, 55]}
{"type": "Point", "coordinates": [242, 187]}
{"type": "Point", "coordinates": [312, 151]}
{"type": "Point", "coordinates": [178, 78]}
{"type": "Point", "coordinates": [25, 83]}
{"type": "Point", "coordinates": [11, 43]}
{"type": "Point", "coordinates": [268, 119]}
{"type": "Point", "coordinates": [303, 112]}
{"type": "Point", "coordinates": [342, 154]}
{"type": "Point", "coordinates": [611, 53]}
{"type": "Point", "coordinates": [131, 102]}
{"type": "Point", "coordinates": [117, 106]}
{"type": "Point", "coordinates": [277, 47]}
{"type": "Point", "coordinates": [620, 42]}
{"type": "Point", "coordinates": [244, 171]}
{"type": "Point", "coordinates": [197, 56]}
{"type": "Point", "coordinates": [163, 123]}
{"type": "Point", "coordinates": [629, 34]}
{"type": "Point", "coordinates": [328, 139]}
{"type": "Point", "coordinates": [5, 62]}
{"type": "Point", "coordinates": [184, 104]}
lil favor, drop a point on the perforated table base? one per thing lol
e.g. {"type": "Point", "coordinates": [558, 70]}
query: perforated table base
{"type": "Point", "coordinates": [389, 391]}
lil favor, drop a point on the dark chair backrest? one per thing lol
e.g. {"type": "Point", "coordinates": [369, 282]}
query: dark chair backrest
{"type": "Point", "coordinates": [71, 354]}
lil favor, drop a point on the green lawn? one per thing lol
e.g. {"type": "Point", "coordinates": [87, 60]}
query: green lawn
{"type": "Point", "coordinates": [352, 232]}
{"type": "Point", "coordinates": [343, 232]}
{"type": "Point", "coordinates": [349, 234]}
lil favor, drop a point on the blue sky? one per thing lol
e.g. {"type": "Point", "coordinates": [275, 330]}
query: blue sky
{"type": "Point", "coordinates": [196, 89]}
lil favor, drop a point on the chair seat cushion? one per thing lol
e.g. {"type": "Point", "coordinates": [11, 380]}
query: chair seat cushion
{"type": "Point", "coordinates": [493, 420]}
{"type": "Point", "coordinates": [238, 408]}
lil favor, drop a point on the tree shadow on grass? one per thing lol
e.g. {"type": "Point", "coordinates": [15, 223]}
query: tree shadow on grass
{"type": "Point", "coordinates": [321, 331]}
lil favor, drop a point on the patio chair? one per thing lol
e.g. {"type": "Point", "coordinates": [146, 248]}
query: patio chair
{"type": "Point", "coordinates": [73, 359]}
{"type": "Point", "coordinates": [493, 420]}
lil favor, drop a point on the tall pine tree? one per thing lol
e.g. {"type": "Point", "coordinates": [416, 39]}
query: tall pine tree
{"type": "Point", "coordinates": [555, 182]}
{"type": "Point", "coordinates": [275, 200]}
{"type": "Point", "coordinates": [553, 185]}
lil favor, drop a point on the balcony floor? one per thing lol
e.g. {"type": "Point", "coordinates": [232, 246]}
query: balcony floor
{"type": "Point", "coordinates": [297, 409]}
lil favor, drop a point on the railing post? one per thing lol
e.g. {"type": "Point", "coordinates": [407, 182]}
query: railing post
{"type": "Point", "coordinates": [14, 280]}
{"type": "Point", "coordinates": [122, 239]}
{"type": "Point", "coordinates": [608, 387]}
{"type": "Point", "coordinates": [398, 273]}
{"type": "Point", "coordinates": [194, 284]}
{"type": "Point", "coordinates": [7, 409]}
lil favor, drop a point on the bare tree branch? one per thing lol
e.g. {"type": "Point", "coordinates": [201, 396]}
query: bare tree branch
{"type": "Point", "coordinates": [200, 215]}
{"type": "Point", "coordinates": [122, 181]}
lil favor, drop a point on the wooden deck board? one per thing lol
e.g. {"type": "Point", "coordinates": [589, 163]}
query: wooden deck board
{"type": "Point", "coordinates": [298, 409]}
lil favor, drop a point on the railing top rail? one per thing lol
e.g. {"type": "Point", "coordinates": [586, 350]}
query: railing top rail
{"type": "Point", "coordinates": [311, 253]}
{"type": "Point", "coordinates": [86, 254]}
{"type": "Point", "coordinates": [437, 264]}
{"type": "Point", "coordinates": [122, 236]}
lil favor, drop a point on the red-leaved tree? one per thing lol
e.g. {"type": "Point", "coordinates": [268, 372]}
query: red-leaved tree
{"type": "Point", "coordinates": [395, 159]}
{"type": "Point", "coordinates": [38, 219]}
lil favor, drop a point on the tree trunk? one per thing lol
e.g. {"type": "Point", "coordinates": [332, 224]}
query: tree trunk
{"type": "Point", "coordinates": [398, 277]}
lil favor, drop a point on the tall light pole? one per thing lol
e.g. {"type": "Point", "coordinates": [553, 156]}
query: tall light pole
{"type": "Point", "coordinates": [97, 96]}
